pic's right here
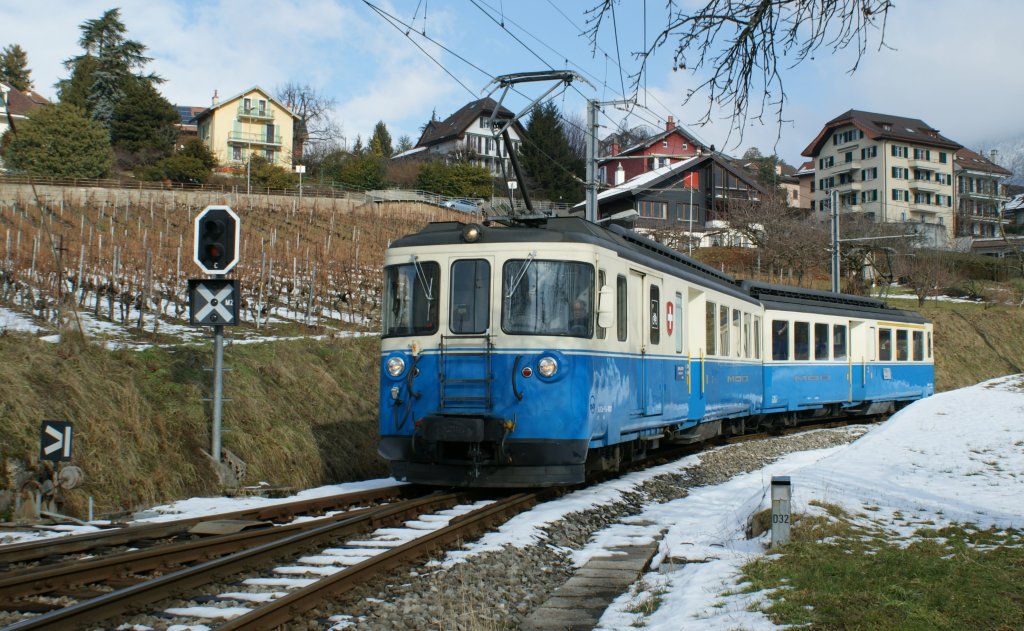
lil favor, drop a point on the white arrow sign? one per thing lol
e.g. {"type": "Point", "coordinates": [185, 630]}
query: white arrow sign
{"type": "Point", "coordinates": [56, 440]}
{"type": "Point", "coordinates": [215, 303]}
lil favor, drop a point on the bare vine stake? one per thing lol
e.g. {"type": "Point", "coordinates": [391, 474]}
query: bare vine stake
{"type": "Point", "coordinates": [270, 279]}
{"type": "Point", "coordinates": [263, 269]}
{"type": "Point", "coordinates": [32, 269]}
{"type": "Point", "coordinates": [81, 270]}
{"type": "Point", "coordinates": [309, 299]}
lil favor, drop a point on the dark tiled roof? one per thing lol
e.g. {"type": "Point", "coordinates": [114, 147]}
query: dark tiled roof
{"type": "Point", "coordinates": [967, 159]}
{"type": "Point", "coordinates": [882, 126]}
{"type": "Point", "coordinates": [21, 103]}
{"type": "Point", "coordinates": [452, 127]}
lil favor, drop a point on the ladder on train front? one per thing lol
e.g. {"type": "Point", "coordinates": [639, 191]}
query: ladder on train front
{"type": "Point", "coordinates": [464, 372]}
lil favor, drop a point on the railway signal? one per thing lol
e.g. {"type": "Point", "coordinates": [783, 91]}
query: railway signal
{"type": "Point", "coordinates": [216, 239]}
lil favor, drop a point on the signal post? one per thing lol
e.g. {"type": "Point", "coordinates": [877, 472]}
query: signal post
{"type": "Point", "coordinates": [215, 301]}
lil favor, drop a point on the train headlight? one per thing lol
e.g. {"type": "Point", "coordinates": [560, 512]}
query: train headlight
{"type": "Point", "coordinates": [547, 366]}
{"type": "Point", "coordinates": [396, 366]}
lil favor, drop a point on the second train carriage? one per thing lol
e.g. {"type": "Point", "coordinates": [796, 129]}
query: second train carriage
{"type": "Point", "coordinates": [524, 355]}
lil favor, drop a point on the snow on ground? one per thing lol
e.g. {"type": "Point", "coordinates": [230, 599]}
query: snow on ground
{"type": "Point", "coordinates": [14, 321]}
{"type": "Point", "coordinates": [955, 457]}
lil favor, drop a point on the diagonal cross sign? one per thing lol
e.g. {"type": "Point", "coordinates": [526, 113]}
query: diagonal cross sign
{"type": "Point", "coordinates": [215, 303]}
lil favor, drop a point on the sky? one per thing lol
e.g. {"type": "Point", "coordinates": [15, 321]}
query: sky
{"type": "Point", "coordinates": [945, 62]}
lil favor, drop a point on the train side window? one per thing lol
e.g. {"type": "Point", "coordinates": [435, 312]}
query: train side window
{"type": "Point", "coordinates": [918, 346]}
{"type": "Point", "coordinates": [621, 302]}
{"type": "Point", "coordinates": [820, 341]}
{"type": "Point", "coordinates": [654, 314]}
{"type": "Point", "coordinates": [757, 337]}
{"type": "Point", "coordinates": [723, 331]}
{"type": "Point", "coordinates": [839, 341]}
{"type": "Point", "coordinates": [801, 341]}
{"type": "Point", "coordinates": [902, 348]}
{"type": "Point", "coordinates": [929, 344]}
{"type": "Point", "coordinates": [711, 331]}
{"type": "Point", "coordinates": [747, 335]}
{"type": "Point", "coordinates": [470, 296]}
{"type": "Point", "coordinates": [736, 331]}
{"type": "Point", "coordinates": [602, 332]}
{"type": "Point", "coordinates": [885, 345]}
{"type": "Point", "coordinates": [780, 340]}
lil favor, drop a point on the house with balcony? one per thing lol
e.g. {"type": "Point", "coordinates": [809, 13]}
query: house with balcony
{"type": "Point", "coordinates": [251, 123]}
{"type": "Point", "coordinates": [670, 146]}
{"type": "Point", "coordinates": [980, 196]}
{"type": "Point", "coordinates": [892, 169]}
{"type": "Point", "coordinates": [467, 134]}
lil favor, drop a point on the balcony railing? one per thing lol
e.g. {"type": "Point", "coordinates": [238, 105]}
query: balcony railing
{"type": "Point", "coordinates": [264, 113]}
{"type": "Point", "coordinates": [243, 138]}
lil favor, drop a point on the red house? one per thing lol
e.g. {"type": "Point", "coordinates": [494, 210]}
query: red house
{"type": "Point", "coordinates": [669, 147]}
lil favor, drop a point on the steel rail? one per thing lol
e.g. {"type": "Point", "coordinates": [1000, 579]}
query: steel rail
{"type": "Point", "coordinates": [288, 608]}
{"type": "Point", "coordinates": [111, 606]}
{"type": "Point", "coordinates": [35, 550]}
{"type": "Point", "coordinates": [53, 578]}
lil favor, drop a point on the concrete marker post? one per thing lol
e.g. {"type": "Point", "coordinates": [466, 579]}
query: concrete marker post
{"type": "Point", "coordinates": [782, 494]}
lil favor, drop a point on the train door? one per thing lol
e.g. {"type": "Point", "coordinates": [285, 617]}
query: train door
{"type": "Point", "coordinates": [464, 362]}
{"type": "Point", "coordinates": [645, 328]}
{"type": "Point", "coordinates": [860, 346]}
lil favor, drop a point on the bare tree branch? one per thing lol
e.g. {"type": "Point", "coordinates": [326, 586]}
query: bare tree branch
{"type": "Point", "coordinates": [742, 42]}
{"type": "Point", "coordinates": [314, 120]}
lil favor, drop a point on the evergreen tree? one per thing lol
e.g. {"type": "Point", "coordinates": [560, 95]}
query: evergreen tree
{"type": "Point", "coordinates": [363, 171]}
{"type": "Point", "coordinates": [99, 76]}
{"type": "Point", "coordinates": [460, 179]}
{"type": "Point", "coordinates": [60, 141]}
{"type": "Point", "coordinates": [143, 123]}
{"type": "Point", "coordinates": [14, 68]}
{"type": "Point", "coordinates": [551, 168]}
{"type": "Point", "coordinates": [404, 144]}
{"type": "Point", "coordinates": [380, 141]}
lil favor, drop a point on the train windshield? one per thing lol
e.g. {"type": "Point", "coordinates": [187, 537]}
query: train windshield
{"type": "Point", "coordinates": [410, 299]}
{"type": "Point", "coordinates": [547, 298]}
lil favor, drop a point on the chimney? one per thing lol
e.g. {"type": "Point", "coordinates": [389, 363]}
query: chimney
{"type": "Point", "coordinates": [993, 155]}
{"type": "Point", "coordinates": [216, 99]}
{"type": "Point", "coordinates": [620, 175]}
{"type": "Point", "coordinates": [615, 148]}
{"type": "Point", "coordinates": [670, 124]}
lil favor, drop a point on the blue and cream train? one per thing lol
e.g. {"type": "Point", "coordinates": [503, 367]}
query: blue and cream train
{"type": "Point", "coordinates": [529, 354]}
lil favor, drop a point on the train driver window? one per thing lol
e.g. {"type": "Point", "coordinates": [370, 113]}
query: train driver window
{"type": "Point", "coordinates": [723, 331]}
{"type": "Point", "coordinates": [918, 346]}
{"type": "Point", "coordinates": [801, 341]}
{"type": "Point", "coordinates": [469, 311]}
{"type": "Point", "coordinates": [820, 341]}
{"type": "Point", "coordinates": [885, 345]}
{"type": "Point", "coordinates": [902, 350]}
{"type": "Point", "coordinates": [547, 298]}
{"type": "Point", "coordinates": [410, 298]}
{"type": "Point", "coordinates": [839, 341]}
{"type": "Point", "coordinates": [710, 330]}
{"type": "Point", "coordinates": [621, 298]}
{"type": "Point", "coordinates": [757, 337]}
{"type": "Point", "coordinates": [780, 340]}
{"type": "Point", "coordinates": [654, 314]}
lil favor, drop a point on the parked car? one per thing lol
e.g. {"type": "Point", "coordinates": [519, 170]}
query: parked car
{"type": "Point", "coordinates": [462, 205]}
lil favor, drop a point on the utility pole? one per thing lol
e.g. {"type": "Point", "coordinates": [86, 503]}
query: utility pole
{"type": "Point", "coordinates": [593, 109]}
{"type": "Point", "coordinates": [835, 241]}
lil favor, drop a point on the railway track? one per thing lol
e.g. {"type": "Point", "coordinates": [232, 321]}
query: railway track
{"type": "Point", "coordinates": [57, 549]}
{"type": "Point", "coordinates": [227, 577]}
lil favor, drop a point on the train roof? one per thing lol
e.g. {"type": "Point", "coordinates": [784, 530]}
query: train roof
{"type": "Point", "coordinates": [789, 298]}
{"type": "Point", "coordinates": [626, 243]}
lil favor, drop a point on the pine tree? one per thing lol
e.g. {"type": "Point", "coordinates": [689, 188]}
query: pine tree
{"type": "Point", "coordinates": [380, 141]}
{"type": "Point", "coordinates": [99, 76]}
{"type": "Point", "coordinates": [143, 122]}
{"type": "Point", "coordinates": [14, 68]}
{"type": "Point", "coordinates": [553, 171]}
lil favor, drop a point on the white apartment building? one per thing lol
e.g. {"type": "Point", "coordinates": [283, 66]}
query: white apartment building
{"type": "Point", "coordinates": [890, 168]}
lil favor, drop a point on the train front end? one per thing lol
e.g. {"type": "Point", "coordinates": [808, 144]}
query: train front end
{"type": "Point", "coordinates": [484, 375]}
